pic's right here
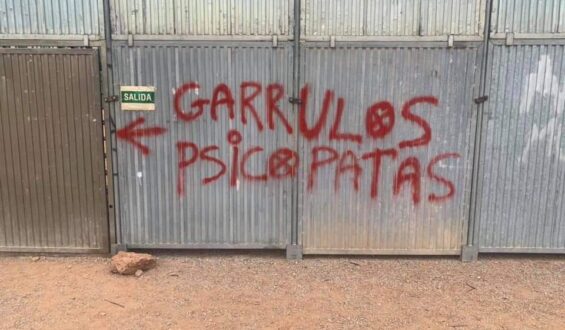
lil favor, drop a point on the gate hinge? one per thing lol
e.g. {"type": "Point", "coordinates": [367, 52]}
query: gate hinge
{"type": "Point", "coordinates": [509, 38]}
{"type": "Point", "coordinates": [481, 99]}
{"type": "Point", "coordinates": [110, 99]}
{"type": "Point", "coordinates": [294, 100]}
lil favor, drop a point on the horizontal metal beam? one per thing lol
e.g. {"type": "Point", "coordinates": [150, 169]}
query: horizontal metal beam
{"type": "Point", "coordinates": [202, 43]}
{"type": "Point", "coordinates": [19, 249]}
{"type": "Point", "coordinates": [539, 36]}
{"type": "Point", "coordinates": [383, 252]}
{"type": "Point", "coordinates": [392, 44]}
{"type": "Point", "coordinates": [87, 40]}
{"type": "Point", "coordinates": [228, 38]}
{"type": "Point", "coordinates": [81, 37]}
{"type": "Point", "coordinates": [521, 42]}
{"type": "Point", "coordinates": [522, 250]}
{"type": "Point", "coordinates": [200, 246]}
{"type": "Point", "coordinates": [442, 38]}
{"type": "Point", "coordinates": [47, 51]}
{"type": "Point", "coordinates": [49, 43]}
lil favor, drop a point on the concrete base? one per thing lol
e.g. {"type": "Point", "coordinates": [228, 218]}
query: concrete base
{"type": "Point", "coordinates": [115, 248]}
{"type": "Point", "coordinates": [294, 252]}
{"type": "Point", "coordinates": [469, 253]}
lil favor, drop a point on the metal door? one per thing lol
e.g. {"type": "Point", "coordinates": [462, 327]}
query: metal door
{"type": "Point", "coordinates": [521, 179]}
{"type": "Point", "coordinates": [388, 118]}
{"type": "Point", "coordinates": [204, 181]}
{"type": "Point", "coordinates": [52, 183]}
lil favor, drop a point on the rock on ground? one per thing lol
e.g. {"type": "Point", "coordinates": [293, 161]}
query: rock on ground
{"type": "Point", "coordinates": [128, 263]}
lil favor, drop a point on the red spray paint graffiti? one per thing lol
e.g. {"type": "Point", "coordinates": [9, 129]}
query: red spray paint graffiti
{"type": "Point", "coordinates": [131, 133]}
{"type": "Point", "coordinates": [349, 167]}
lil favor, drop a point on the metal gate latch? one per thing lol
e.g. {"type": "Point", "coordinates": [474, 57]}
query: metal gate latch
{"type": "Point", "coordinates": [294, 100]}
{"type": "Point", "coordinates": [481, 99]}
{"type": "Point", "coordinates": [110, 99]}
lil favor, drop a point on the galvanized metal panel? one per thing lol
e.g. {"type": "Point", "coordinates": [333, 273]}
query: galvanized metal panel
{"type": "Point", "coordinates": [51, 17]}
{"type": "Point", "coordinates": [246, 215]}
{"type": "Point", "coordinates": [526, 16]}
{"type": "Point", "coordinates": [392, 18]}
{"type": "Point", "coordinates": [343, 219]}
{"type": "Point", "coordinates": [457, 17]}
{"type": "Point", "coordinates": [52, 184]}
{"type": "Point", "coordinates": [202, 17]}
{"type": "Point", "coordinates": [523, 174]}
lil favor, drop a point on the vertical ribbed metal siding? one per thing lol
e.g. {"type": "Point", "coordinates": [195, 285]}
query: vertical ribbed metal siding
{"type": "Point", "coordinates": [521, 207]}
{"type": "Point", "coordinates": [52, 185]}
{"type": "Point", "coordinates": [51, 17]}
{"type": "Point", "coordinates": [347, 221]}
{"type": "Point", "coordinates": [458, 17]}
{"type": "Point", "coordinates": [202, 17]}
{"type": "Point", "coordinates": [216, 215]}
{"type": "Point", "coordinates": [392, 18]}
{"type": "Point", "coordinates": [526, 16]}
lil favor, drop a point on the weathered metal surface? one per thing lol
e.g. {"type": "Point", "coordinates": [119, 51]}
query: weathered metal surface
{"type": "Point", "coordinates": [223, 213]}
{"type": "Point", "coordinates": [52, 185]}
{"type": "Point", "coordinates": [526, 16]}
{"type": "Point", "coordinates": [523, 173]}
{"type": "Point", "coordinates": [202, 17]}
{"type": "Point", "coordinates": [336, 216]}
{"type": "Point", "coordinates": [392, 18]}
{"type": "Point", "coordinates": [20, 18]}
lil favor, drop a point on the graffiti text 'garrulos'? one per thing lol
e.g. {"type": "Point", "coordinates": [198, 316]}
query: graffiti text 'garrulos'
{"type": "Point", "coordinates": [325, 127]}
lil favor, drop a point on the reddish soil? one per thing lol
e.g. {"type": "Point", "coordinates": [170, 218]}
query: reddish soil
{"type": "Point", "coordinates": [267, 291]}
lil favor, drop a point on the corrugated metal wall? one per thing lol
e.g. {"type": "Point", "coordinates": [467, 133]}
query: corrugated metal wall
{"type": "Point", "coordinates": [522, 174]}
{"type": "Point", "coordinates": [392, 17]}
{"type": "Point", "coordinates": [523, 182]}
{"type": "Point", "coordinates": [52, 185]}
{"type": "Point", "coordinates": [525, 16]}
{"type": "Point", "coordinates": [364, 51]}
{"type": "Point", "coordinates": [365, 68]}
{"type": "Point", "coordinates": [202, 17]}
{"type": "Point", "coordinates": [56, 18]}
{"type": "Point", "coordinates": [217, 215]}
{"type": "Point", "coordinates": [346, 220]}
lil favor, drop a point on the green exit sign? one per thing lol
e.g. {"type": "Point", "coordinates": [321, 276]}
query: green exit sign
{"type": "Point", "coordinates": [137, 98]}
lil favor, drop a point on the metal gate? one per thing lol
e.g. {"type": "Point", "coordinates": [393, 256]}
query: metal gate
{"type": "Point", "coordinates": [394, 77]}
{"type": "Point", "coordinates": [390, 171]}
{"type": "Point", "coordinates": [205, 181]}
{"type": "Point", "coordinates": [357, 127]}
{"type": "Point", "coordinates": [52, 182]}
{"type": "Point", "coordinates": [522, 174]}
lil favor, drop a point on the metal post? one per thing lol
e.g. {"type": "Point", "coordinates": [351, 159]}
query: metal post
{"type": "Point", "coordinates": [294, 250]}
{"type": "Point", "coordinates": [470, 251]}
{"type": "Point", "coordinates": [111, 152]}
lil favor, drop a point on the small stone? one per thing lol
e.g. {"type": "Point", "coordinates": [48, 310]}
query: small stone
{"type": "Point", "coordinates": [128, 263]}
{"type": "Point", "coordinates": [138, 273]}
{"type": "Point", "coordinates": [103, 314]}
{"type": "Point", "coordinates": [35, 259]}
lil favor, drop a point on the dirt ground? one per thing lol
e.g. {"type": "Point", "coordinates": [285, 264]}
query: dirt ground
{"type": "Point", "coordinates": [267, 291]}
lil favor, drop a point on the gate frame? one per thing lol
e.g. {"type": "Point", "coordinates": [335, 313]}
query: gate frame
{"type": "Point", "coordinates": [72, 44]}
{"type": "Point", "coordinates": [470, 251]}
{"type": "Point", "coordinates": [296, 251]}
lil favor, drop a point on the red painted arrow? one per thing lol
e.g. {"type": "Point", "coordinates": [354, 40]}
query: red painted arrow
{"type": "Point", "coordinates": [130, 134]}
